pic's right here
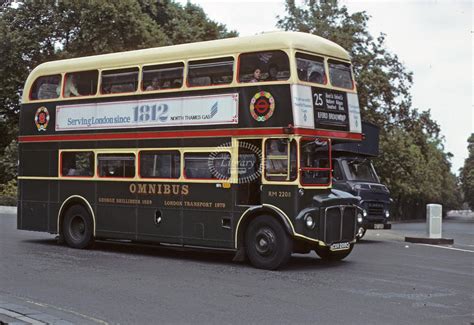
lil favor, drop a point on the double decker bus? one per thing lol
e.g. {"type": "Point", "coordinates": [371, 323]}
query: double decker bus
{"type": "Point", "coordinates": [222, 144]}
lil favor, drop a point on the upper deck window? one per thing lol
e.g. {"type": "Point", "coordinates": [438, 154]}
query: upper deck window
{"type": "Point", "coordinates": [163, 76]}
{"type": "Point", "coordinates": [119, 81]}
{"type": "Point", "coordinates": [211, 72]}
{"type": "Point", "coordinates": [264, 66]}
{"type": "Point", "coordinates": [310, 68]}
{"type": "Point", "coordinates": [46, 87]}
{"type": "Point", "coordinates": [340, 74]}
{"type": "Point", "coordinates": [82, 83]}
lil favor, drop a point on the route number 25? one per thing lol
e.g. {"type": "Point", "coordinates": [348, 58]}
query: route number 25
{"type": "Point", "coordinates": [318, 99]}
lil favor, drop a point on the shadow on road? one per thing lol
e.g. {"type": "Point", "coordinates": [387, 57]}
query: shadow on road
{"type": "Point", "coordinates": [298, 262]}
{"type": "Point", "coordinates": [367, 241]}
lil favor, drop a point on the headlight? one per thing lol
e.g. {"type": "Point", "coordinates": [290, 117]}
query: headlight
{"type": "Point", "coordinates": [309, 221]}
{"type": "Point", "coordinates": [359, 218]}
{"type": "Point", "coordinates": [356, 187]}
{"type": "Point", "coordinates": [387, 214]}
{"type": "Point", "coordinates": [364, 213]}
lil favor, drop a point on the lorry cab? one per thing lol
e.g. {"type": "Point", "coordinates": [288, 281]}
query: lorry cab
{"type": "Point", "coordinates": [357, 176]}
{"type": "Point", "coordinates": [353, 172]}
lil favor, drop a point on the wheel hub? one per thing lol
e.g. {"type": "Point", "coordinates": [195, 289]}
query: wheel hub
{"type": "Point", "coordinates": [265, 242]}
{"type": "Point", "coordinates": [78, 228]}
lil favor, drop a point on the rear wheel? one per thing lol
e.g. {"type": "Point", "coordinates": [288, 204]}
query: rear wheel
{"type": "Point", "coordinates": [77, 227]}
{"type": "Point", "coordinates": [327, 255]}
{"type": "Point", "coordinates": [267, 244]}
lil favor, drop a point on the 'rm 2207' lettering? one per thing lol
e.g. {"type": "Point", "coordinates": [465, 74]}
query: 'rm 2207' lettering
{"type": "Point", "coordinates": [145, 113]}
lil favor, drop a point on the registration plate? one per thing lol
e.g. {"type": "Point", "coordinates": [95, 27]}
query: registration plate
{"type": "Point", "coordinates": [339, 246]}
{"type": "Point", "coordinates": [378, 226]}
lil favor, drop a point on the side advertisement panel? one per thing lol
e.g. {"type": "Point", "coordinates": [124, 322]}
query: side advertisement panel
{"type": "Point", "coordinates": [182, 111]}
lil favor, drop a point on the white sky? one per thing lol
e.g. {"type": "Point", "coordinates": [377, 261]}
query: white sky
{"type": "Point", "coordinates": [434, 39]}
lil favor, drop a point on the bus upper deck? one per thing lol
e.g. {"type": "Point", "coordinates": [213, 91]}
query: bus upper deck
{"type": "Point", "coordinates": [306, 82]}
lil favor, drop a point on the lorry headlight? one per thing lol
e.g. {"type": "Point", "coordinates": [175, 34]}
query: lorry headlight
{"type": "Point", "coordinates": [387, 214]}
{"type": "Point", "coordinates": [359, 218]}
{"type": "Point", "coordinates": [364, 213]}
{"type": "Point", "coordinates": [309, 221]}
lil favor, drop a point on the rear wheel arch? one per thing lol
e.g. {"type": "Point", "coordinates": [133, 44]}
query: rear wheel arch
{"type": "Point", "coordinates": [69, 202]}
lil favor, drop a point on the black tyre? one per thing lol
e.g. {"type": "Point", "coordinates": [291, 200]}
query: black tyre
{"type": "Point", "coordinates": [327, 255]}
{"type": "Point", "coordinates": [267, 244]}
{"type": "Point", "coordinates": [77, 227]}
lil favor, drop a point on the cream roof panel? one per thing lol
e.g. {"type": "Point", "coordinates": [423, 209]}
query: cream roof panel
{"type": "Point", "coordinates": [229, 46]}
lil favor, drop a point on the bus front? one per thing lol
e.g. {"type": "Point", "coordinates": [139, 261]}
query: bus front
{"type": "Point", "coordinates": [325, 110]}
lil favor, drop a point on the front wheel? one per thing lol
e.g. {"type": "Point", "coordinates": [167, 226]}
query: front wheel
{"type": "Point", "coordinates": [77, 227]}
{"type": "Point", "coordinates": [327, 255]}
{"type": "Point", "coordinates": [267, 244]}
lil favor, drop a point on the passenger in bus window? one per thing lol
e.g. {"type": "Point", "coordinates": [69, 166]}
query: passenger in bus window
{"type": "Point", "coordinates": [316, 77]}
{"type": "Point", "coordinates": [257, 75]}
{"type": "Point", "coordinates": [70, 89]}
{"type": "Point", "coordinates": [155, 85]}
{"type": "Point", "coordinates": [177, 83]}
{"type": "Point", "coordinates": [272, 72]}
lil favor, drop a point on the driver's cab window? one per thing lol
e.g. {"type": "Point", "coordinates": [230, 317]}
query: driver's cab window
{"type": "Point", "coordinates": [336, 171]}
{"type": "Point", "coordinates": [280, 160]}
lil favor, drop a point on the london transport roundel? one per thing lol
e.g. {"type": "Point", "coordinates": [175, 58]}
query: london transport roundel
{"type": "Point", "coordinates": [262, 106]}
{"type": "Point", "coordinates": [42, 118]}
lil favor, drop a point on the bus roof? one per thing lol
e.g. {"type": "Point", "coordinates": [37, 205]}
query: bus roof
{"type": "Point", "coordinates": [262, 42]}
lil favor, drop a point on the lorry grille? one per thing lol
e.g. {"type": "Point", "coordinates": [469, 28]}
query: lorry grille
{"type": "Point", "coordinates": [375, 209]}
{"type": "Point", "coordinates": [340, 224]}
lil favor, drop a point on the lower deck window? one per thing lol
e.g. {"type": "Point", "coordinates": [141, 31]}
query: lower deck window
{"type": "Point", "coordinates": [160, 164]}
{"type": "Point", "coordinates": [207, 165]}
{"type": "Point", "coordinates": [280, 160]}
{"type": "Point", "coordinates": [77, 164]}
{"type": "Point", "coordinates": [116, 165]}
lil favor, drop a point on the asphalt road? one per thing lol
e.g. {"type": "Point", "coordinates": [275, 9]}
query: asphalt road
{"type": "Point", "coordinates": [383, 281]}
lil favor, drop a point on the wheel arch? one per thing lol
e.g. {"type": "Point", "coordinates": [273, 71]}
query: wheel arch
{"type": "Point", "coordinates": [70, 201]}
{"type": "Point", "coordinates": [251, 213]}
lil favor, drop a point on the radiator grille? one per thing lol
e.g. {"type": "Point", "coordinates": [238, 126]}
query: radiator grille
{"type": "Point", "coordinates": [340, 224]}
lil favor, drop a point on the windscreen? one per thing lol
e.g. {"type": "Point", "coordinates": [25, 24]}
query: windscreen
{"type": "Point", "coordinates": [315, 162]}
{"type": "Point", "coordinates": [360, 170]}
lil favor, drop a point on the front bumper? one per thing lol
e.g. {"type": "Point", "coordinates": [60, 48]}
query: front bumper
{"type": "Point", "coordinates": [377, 226]}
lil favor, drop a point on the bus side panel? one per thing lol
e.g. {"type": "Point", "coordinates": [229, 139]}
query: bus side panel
{"type": "Point", "coordinates": [166, 230]}
{"type": "Point", "coordinates": [38, 162]}
{"type": "Point", "coordinates": [207, 215]}
{"type": "Point", "coordinates": [116, 209]}
{"type": "Point", "coordinates": [33, 213]}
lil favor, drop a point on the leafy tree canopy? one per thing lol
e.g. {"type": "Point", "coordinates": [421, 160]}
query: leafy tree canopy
{"type": "Point", "coordinates": [39, 31]}
{"type": "Point", "coordinates": [413, 162]}
{"type": "Point", "coordinates": [467, 174]}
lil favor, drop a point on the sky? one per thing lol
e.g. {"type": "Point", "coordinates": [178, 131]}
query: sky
{"type": "Point", "coordinates": [434, 39]}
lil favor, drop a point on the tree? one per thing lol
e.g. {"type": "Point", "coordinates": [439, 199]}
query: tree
{"type": "Point", "coordinates": [413, 163]}
{"type": "Point", "coordinates": [467, 174]}
{"type": "Point", "coordinates": [39, 31]}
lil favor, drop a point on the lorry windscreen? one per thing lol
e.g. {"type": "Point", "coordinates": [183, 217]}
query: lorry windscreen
{"type": "Point", "coordinates": [360, 170]}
